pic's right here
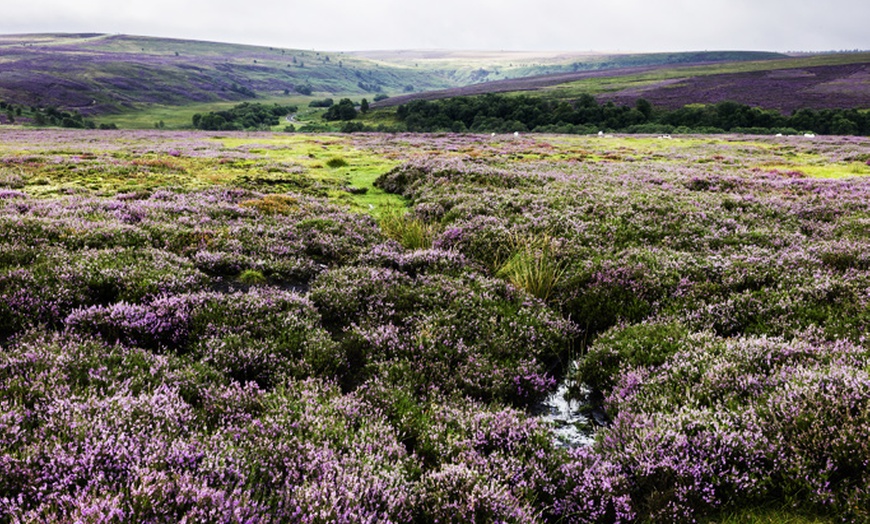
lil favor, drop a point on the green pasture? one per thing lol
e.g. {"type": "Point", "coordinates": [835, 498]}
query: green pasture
{"type": "Point", "coordinates": [821, 169]}
{"type": "Point", "coordinates": [731, 153]}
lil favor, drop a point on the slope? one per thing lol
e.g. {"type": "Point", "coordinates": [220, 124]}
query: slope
{"type": "Point", "coordinates": [98, 74]}
{"type": "Point", "coordinates": [817, 82]}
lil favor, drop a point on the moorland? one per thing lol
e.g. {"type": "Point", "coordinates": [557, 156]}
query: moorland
{"type": "Point", "coordinates": [92, 80]}
{"type": "Point", "coordinates": [267, 327]}
{"type": "Point", "coordinates": [275, 326]}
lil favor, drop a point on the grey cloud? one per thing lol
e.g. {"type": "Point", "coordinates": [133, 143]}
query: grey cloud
{"type": "Point", "coordinates": [636, 25]}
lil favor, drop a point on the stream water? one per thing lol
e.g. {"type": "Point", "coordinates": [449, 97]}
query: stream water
{"type": "Point", "coordinates": [573, 426]}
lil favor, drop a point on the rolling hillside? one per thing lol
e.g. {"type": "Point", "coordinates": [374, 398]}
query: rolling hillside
{"type": "Point", "coordinates": [473, 67]}
{"type": "Point", "coordinates": [99, 74]}
{"type": "Point", "coordinates": [786, 84]}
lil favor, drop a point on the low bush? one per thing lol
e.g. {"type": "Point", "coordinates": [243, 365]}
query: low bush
{"type": "Point", "coordinates": [631, 346]}
{"type": "Point", "coordinates": [464, 334]}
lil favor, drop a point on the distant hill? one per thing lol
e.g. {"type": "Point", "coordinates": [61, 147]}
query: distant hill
{"type": "Point", "coordinates": [841, 86]}
{"type": "Point", "coordinates": [827, 81]}
{"type": "Point", "coordinates": [470, 67]}
{"type": "Point", "coordinates": [99, 74]}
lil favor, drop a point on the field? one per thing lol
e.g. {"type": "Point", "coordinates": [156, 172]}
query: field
{"type": "Point", "coordinates": [270, 327]}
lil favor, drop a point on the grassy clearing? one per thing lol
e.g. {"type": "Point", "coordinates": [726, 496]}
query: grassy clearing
{"type": "Point", "coordinates": [113, 162]}
{"type": "Point", "coordinates": [410, 232]}
{"type": "Point", "coordinates": [825, 170]}
{"type": "Point", "coordinates": [349, 180]}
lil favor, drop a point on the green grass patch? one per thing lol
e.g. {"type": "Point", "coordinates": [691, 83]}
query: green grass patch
{"type": "Point", "coordinates": [823, 170]}
{"type": "Point", "coordinates": [181, 116]}
{"type": "Point", "coordinates": [408, 230]}
{"type": "Point", "coordinates": [345, 172]}
{"type": "Point", "coordinates": [533, 265]}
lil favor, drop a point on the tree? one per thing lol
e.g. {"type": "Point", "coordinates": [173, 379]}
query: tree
{"type": "Point", "coordinates": [645, 107]}
{"type": "Point", "coordinates": [841, 125]}
{"type": "Point", "coordinates": [343, 110]}
{"type": "Point", "coordinates": [364, 106]}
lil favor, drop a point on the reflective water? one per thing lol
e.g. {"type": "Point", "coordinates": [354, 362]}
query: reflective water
{"type": "Point", "coordinates": [572, 425]}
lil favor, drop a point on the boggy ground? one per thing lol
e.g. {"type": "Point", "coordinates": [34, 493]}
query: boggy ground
{"type": "Point", "coordinates": [274, 328]}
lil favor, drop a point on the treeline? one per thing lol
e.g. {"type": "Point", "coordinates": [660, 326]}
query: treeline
{"type": "Point", "coordinates": [47, 116]}
{"type": "Point", "coordinates": [51, 116]}
{"type": "Point", "coordinates": [243, 117]}
{"type": "Point", "coordinates": [504, 114]}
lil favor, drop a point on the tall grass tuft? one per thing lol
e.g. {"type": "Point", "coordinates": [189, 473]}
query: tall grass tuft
{"type": "Point", "coordinates": [252, 277]}
{"type": "Point", "coordinates": [533, 265]}
{"type": "Point", "coordinates": [336, 162]}
{"type": "Point", "coordinates": [411, 232]}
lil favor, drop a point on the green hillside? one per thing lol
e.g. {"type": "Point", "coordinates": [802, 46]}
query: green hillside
{"type": "Point", "coordinates": [138, 82]}
{"type": "Point", "coordinates": [100, 75]}
{"type": "Point", "coordinates": [104, 74]}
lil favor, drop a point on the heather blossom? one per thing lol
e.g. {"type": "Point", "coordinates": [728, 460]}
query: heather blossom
{"type": "Point", "coordinates": [236, 352]}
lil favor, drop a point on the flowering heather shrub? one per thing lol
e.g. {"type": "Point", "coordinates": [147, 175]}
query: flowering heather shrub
{"type": "Point", "coordinates": [347, 295]}
{"type": "Point", "coordinates": [467, 333]}
{"type": "Point", "coordinates": [720, 306]}
{"type": "Point", "coordinates": [484, 239]}
{"type": "Point", "coordinates": [262, 335]}
{"type": "Point", "coordinates": [477, 463]}
{"type": "Point", "coordinates": [391, 255]}
{"type": "Point", "coordinates": [745, 418]}
{"type": "Point", "coordinates": [592, 489]}
{"type": "Point", "coordinates": [643, 345]}
{"type": "Point", "coordinates": [407, 179]}
{"type": "Point", "coordinates": [58, 255]}
{"type": "Point", "coordinates": [101, 447]}
{"type": "Point", "coordinates": [48, 289]}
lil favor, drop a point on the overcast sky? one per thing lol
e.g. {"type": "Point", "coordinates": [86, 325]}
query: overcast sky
{"type": "Point", "coordinates": [552, 25]}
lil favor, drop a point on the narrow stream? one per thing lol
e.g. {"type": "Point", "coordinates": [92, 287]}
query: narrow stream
{"type": "Point", "coordinates": [572, 424]}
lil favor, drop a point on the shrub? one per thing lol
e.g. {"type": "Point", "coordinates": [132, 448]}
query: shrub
{"type": "Point", "coordinates": [468, 334]}
{"type": "Point", "coordinates": [628, 347]}
{"type": "Point", "coordinates": [745, 419]}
